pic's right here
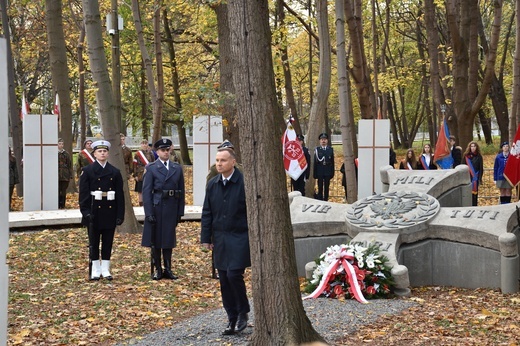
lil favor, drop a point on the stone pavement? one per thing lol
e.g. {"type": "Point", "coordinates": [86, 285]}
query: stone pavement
{"type": "Point", "coordinates": [63, 217]}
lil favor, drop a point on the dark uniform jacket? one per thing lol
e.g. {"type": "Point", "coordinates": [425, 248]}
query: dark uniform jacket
{"type": "Point", "coordinates": [224, 222]}
{"type": "Point", "coordinates": [164, 198]}
{"type": "Point", "coordinates": [82, 162]}
{"type": "Point", "coordinates": [64, 166]}
{"type": "Point", "coordinates": [421, 162]}
{"type": "Point", "coordinates": [96, 178]}
{"type": "Point", "coordinates": [139, 163]}
{"type": "Point", "coordinates": [456, 153]}
{"type": "Point", "coordinates": [323, 162]}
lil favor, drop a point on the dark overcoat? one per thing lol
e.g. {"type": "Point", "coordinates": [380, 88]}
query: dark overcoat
{"type": "Point", "coordinates": [96, 178]}
{"type": "Point", "coordinates": [323, 162]}
{"type": "Point", "coordinates": [224, 222]}
{"type": "Point", "coordinates": [164, 198]}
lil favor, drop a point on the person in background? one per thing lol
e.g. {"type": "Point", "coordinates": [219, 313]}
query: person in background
{"type": "Point", "coordinates": [409, 162]}
{"type": "Point", "coordinates": [142, 157]}
{"type": "Point", "coordinates": [13, 176]}
{"type": "Point", "coordinates": [224, 230]}
{"type": "Point", "coordinates": [153, 151]}
{"type": "Point", "coordinates": [475, 162]}
{"type": "Point", "coordinates": [85, 157]}
{"type": "Point", "coordinates": [498, 174]}
{"type": "Point", "coordinates": [164, 201]}
{"type": "Point", "coordinates": [173, 156]}
{"type": "Point", "coordinates": [127, 156]}
{"type": "Point", "coordinates": [102, 202]}
{"type": "Point", "coordinates": [456, 152]}
{"type": "Point", "coordinates": [64, 173]}
{"type": "Point", "coordinates": [344, 177]}
{"type": "Point", "coordinates": [426, 159]}
{"type": "Point", "coordinates": [323, 166]}
{"type": "Point", "coordinates": [392, 157]}
{"type": "Point", "coordinates": [299, 184]}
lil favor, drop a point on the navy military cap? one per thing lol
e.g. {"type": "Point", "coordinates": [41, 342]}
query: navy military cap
{"type": "Point", "coordinates": [163, 143]}
{"type": "Point", "coordinates": [226, 145]}
{"type": "Point", "coordinates": [102, 144]}
{"type": "Point", "coordinates": [324, 135]}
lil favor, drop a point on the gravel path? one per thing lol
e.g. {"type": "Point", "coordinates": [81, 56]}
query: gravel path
{"type": "Point", "coordinates": [330, 317]}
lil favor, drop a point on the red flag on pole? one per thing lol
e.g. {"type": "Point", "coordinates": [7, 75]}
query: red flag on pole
{"type": "Point", "coordinates": [293, 157]}
{"type": "Point", "coordinates": [512, 170]}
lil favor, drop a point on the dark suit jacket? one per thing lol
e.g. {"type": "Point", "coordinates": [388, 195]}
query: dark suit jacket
{"type": "Point", "coordinates": [96, 178]}
{"type": "Point", "coordinates": [224, 222]}
{"type": "Point", "coordinates": [323, 162]}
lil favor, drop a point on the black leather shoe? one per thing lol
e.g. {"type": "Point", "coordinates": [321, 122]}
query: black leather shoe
{"type": "Point", "coordinates": [242, 322]}
{"type": "Point", "coordinates": [157, 275]}
{"type": "Point", "coordinates": [168, 274]}
{"type": "Point", "coordinates": [230, 329]}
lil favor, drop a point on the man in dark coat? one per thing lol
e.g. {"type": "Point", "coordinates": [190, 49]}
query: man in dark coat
{"type": "Point", "coordinates": [323, 166]}
{"type": "Point", "coordinates": [224, 229]}
{"type": "Point", "coordinates": [102, 201]}
{"type": "Point", "coordinates": [163, 200]}
{"type": "Point", "coordinates": [299, 184]}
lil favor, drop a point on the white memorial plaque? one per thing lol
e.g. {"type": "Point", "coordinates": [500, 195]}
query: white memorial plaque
{"type": "Point", "coordinates": [374, 151]}
{"type": "Point", "coordinates": [40, 162]}
{"type": "Point", "coordinates": [207, 136]}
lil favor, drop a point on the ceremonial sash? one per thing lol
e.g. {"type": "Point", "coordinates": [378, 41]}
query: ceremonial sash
{"type": "Point", "coordinates": [474, 176]}
{"type": "Point", "coordinates": [423, 162]}
{"type": "Point", "coordinates": [85, 153]}
{"type": "Point", "coordinates": [351, 275]}
{"type": "Point", "coordinates": [142, 157]}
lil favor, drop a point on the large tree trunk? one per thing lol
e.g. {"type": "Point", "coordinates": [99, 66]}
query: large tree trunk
{"type": "Point", "coordinates": [60, 72]}
{"type": "Point", "coordinates": [279, 315]}
{"type": "Point", "coordinates": [230, 126]}
{"type": "Point", "coordinates": [106, 104]}
{"type": "Point", "coordinates": [319, 101]}
{"type": "Point", "coordinates": [515, 103]}
{"type": "Point", "coordinates": [344, 105]}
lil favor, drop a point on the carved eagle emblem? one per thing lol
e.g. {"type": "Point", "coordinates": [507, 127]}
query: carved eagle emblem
{"type": "Point", "coordinates": [390, 208]}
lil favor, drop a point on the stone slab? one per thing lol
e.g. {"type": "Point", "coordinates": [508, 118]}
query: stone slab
{"type": "Point", "coordinates": [53, 218]}
{"type": "Point", "coordinates": [445, 263]}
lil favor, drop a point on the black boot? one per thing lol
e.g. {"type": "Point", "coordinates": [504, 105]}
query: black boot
{"type": "Point", "coordinates": [230, 329]}
{"type": "Point", "coordinates": [157, 275]}
{"type": "Point", "coordinates": [167, 273]}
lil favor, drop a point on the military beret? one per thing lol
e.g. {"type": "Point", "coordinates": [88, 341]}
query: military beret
{"type": "Point", "coordinates": [163, 143]}
{"type": "Point", "coordinates": [324, 135]}
{"type": "Point", "coordinates": [102, 144]}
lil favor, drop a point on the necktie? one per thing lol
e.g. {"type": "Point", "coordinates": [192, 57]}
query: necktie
{"type": "Point", "coordinates": [224, 182]}
{"type": "Point", "coordinates": [165, 164]}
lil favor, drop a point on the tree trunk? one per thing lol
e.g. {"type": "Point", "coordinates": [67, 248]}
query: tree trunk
{"type": "Point", "coordinates": [106, 104]}
{"type": "Point", "coordinates": [279, 315]}
{"type": "Point", "coordinates": [178, 121]}
{"type": "Point", "coordinates": [81, 86]}
{"type": "Point", "coordinates": [320, 99]}
{"type": "Point", "coordinates": [230, 126]}
{"type": "Point", "coordinates": [60, 72]}
{"type": "Point", "coordinates": [344, 105]}
{"type": "Point", "coordinates": [147, 61]}
{"type": "Point", "coordinates": [515, 103]}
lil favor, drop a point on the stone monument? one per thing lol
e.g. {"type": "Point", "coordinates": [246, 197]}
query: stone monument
{"type": "Point", "coordinates": [207, 136]}
{"type": "Point", "coordinates": [40, 162]}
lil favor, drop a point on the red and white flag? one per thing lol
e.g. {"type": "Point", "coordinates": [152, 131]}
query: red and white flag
{"type": "Point", "coordinates": [56, 110]}
{"type": "Point", "coordinates": [512, 170]}
{"type": "Point", "coordinates": [293, 157]}
{"type": "Point", "coordinates": [25, 108]}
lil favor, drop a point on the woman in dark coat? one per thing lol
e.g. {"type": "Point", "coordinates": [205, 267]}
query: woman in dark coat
{"type": "Point", "coordinates": [426, 160]}
{"type": "Point", "coordinates": [164, 201]}
{"type": "Point", "coordinates": [475, 162]}
{"type": "Point", "coordinates": [409, 162]}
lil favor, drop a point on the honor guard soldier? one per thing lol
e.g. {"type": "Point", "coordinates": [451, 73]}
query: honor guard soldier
{"type": "Point", "coordinates": [163, 200]}
{"type": "Point", "coordinates": [102, 205]}
{"type": "Point", "coordinates": [85, 157]}
{"type": "Point", "coordinates": [323, 166]}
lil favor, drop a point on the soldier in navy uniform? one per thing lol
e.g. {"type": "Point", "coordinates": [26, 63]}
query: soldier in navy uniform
{"type": "Point", "coordinates": [101, 200]}
{"type": "Point", "coordinates": [323, 166]}
{"type": "Point", "coordinates": [163, 200]}
{"type": "Point", "coordinates": [299, 184]}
